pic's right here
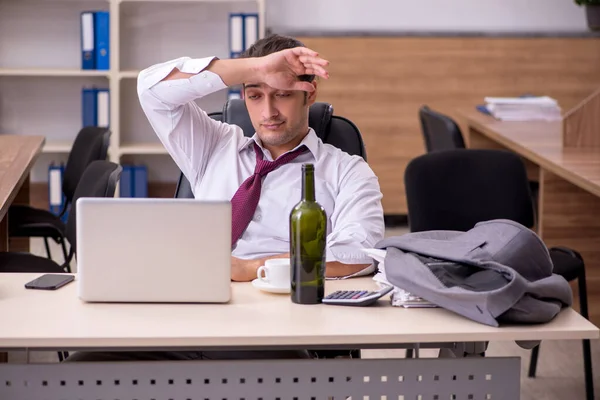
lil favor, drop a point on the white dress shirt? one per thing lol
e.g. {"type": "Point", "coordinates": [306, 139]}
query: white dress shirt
{"type": "Point", "coordinates": [216, 158]}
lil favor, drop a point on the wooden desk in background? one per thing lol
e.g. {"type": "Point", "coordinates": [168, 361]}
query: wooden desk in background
{"type": "Point", "coordinates": [17, 156]}
{"type": "Point", "coordinates": [569, 199]}
{"type": "Point", "coordinates": [379, 80]}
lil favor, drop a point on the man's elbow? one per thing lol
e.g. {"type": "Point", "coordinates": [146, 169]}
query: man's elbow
{"type": "Point", "coordinates": [148, 99]}
{"type": "Point", "coordinates": [146, 79]}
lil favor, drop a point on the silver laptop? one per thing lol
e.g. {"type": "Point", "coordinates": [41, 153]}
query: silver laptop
{"type": "Point", "coordinates": [153, 250]}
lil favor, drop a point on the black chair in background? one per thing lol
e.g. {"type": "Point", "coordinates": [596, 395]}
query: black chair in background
{"type": "Point", "coordinates": [455, 189]}
{"type": "Point", "coordinates": [98, 180]}
{"type": "Point", "coordinates": [91, 143]}
{"type": "Point", "coordinates": [332, 129]}
{"type": "Point", "coordinates": [441, 132]}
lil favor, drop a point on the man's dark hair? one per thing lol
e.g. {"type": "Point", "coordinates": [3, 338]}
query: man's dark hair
{"type": "Point", "coordinates": [272, 44]}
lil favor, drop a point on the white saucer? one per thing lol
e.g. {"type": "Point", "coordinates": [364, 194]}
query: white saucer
{"type": "Point", "coordinates": [257, 283]}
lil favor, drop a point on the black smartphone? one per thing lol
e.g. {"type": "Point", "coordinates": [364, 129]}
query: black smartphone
{"type": "Point", "coordinates": [49, 281]}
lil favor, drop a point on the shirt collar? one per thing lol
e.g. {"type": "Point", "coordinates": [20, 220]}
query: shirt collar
{"type": "Point", "coordinates": [311, 141]}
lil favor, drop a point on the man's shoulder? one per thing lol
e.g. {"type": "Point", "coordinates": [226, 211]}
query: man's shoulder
{"type": "Point", "coordinates": [342, 159]}
{"type": "Point", "coordinates": [333, 151]}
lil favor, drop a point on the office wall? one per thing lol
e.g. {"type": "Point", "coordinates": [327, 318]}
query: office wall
{"type": "Point", "coordinates": [307, 16]}
{"type": "Point", "coordinates": [402, 37]}
{"type": "Point", "coordinates": [380, 82]}
{"type": "Point", "coordinates": [426, 15]}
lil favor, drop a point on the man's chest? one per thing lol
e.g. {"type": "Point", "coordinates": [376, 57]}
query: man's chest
{"type": "Point", "coordinates": [281, 189]}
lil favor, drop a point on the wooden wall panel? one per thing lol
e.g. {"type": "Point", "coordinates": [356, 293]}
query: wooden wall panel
{"type": "Point", "coordinates": [380, 83]}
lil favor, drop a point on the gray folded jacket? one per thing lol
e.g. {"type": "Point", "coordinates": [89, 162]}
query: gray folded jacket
{"type": "Point", "coordinates": [498, 272]}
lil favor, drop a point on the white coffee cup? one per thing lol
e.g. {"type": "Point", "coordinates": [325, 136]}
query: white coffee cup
{"type": "Point", "coordinates": [275, 272]}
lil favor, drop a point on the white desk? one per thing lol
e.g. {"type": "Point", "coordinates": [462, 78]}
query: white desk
{"type": "Point", "coordinates": [257, 320]}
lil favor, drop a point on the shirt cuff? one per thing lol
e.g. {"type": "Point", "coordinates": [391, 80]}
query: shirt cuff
{"type": "Point", "coordinates": [347, 254]}
{"type": "Point", "coordinates": [193, 66]}
{"type": "Point", "coordinates": [207, 82]}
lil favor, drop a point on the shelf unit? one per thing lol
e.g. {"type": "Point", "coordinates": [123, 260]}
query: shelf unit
{"type": "Point", "coordinates": [142, 33]}
{"type": "Point", "coordinates": [52, 72]}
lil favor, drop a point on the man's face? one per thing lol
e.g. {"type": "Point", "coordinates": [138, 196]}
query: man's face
{"type": "Point", "coordinates": [278, 116]}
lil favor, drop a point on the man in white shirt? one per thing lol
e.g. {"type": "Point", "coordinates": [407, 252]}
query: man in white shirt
{"type": "Point", "coordinates": [217, 158]}
{"type": "Point", "coordinates": [277, 73]}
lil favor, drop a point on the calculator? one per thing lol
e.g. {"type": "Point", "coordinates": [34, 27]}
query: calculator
{"type": "Point", "coordinates": [356, 297]}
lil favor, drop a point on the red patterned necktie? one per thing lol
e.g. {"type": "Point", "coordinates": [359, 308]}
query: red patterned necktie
{"type": "Point", "coordinates": [245, 200]}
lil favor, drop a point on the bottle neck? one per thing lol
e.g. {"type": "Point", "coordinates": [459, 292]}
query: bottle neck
{"type": "Point", "coordinates": [308, 183]}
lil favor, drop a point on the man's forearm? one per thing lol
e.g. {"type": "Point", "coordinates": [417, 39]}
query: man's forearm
{"type": "Point", "coordinates": [336, 269]}
{"type": "Point", "coordinates": [237, 71]}
{"type": "Point", "coordinates": [245, 270]}
{"type": "Point", "coordinates": [232, 71]}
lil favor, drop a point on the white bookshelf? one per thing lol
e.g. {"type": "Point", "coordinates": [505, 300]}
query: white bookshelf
{"type": "Point", "coordinates": [128, 74]}
{"type": "Point", "coordinates": [57, 147]}
{"type": "Point", "coordinates": [52, 72]}
{"type": "Point", "coordinates": [41, 77]}
{"type": "Point", "coordinates": [143, 148]}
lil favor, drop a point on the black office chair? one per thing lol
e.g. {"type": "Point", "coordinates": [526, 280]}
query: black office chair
{"type": "Point", "coordinates": [441, 132]}
{"type": "Point", "coordinates": [332, 129]}
{"type": "Point", "coordinates": [455, 189]}
{"type": "Point", "coordinates": [98, 180]}
{"type": "Point", "coordinates": [91, 143]}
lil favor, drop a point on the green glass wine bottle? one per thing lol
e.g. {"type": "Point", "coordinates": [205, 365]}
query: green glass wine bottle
{"type": "Point", "coordinates": [308, 234]}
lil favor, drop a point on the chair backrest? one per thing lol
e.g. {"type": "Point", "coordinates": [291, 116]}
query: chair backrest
{"type": "Point", "coordinates": [455, 189]}
{"type": "Point", "coordinates": [332, 129]}
{"type": "Point", "coordinates": [440, 132]}
{"type": "Point", "coordinates": [183, 189]}
{"type": "Point", "coordinates": [91, 144]}
{"type": "Point", "coordinates": [99, 179]}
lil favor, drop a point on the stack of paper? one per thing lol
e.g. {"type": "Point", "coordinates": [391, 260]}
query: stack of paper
{"type": "Point", "coordinates": [399, 296]}
{"type": "Point", "coordinates": [542, 108]}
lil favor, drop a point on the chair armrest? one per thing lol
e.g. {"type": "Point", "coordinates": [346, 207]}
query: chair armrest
{"type": "Point", "coordinates": [44, 225]}
{"type": "Point", "coordinates": [567, 250]}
